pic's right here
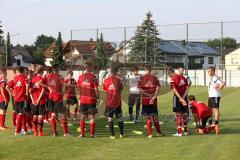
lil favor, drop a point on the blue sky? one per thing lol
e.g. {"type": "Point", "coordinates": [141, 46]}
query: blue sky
{"type": "Point", "coordinates": [33, 17]}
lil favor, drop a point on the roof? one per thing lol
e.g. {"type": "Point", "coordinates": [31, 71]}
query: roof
{"type": "Point", "coordinates": [87, 47]}
{"type": "Point", "coordinates": [235, 52]}
{"type": "Point", "coordinates": [47, 53]}
{"type": "Point", "coordinates": [26, 57]}
{"type": "Point", "coordinates": [190, 48]}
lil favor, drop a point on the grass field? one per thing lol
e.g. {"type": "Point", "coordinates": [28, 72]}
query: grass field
{"type": "Point", "coordinates": [223, 146]}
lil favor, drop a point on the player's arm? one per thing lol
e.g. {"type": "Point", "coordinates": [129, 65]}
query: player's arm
{"type": "Point", "coordinates": [31, 96]}
{"type": "Point", "coordinates": [4, 95]}
{"type": "Point", "coordinates": [155, 95]}
{"type": "Point", "coordinates": [9, 89]}
{"type": "Point", "coordinates": [40, 96]}
{"type": "Point", "coordinates": [179, 96]}
{"type": "Point", "coordinates": [222, 84]}
{"type": "Point", "coordinates": [186, 92]}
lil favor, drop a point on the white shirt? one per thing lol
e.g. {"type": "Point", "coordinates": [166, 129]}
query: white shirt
{"type": "Point", "coordinates": [213, 86]}
{"type": "Point", "coordinates": [133, 83]}
{"type": "Point", "coordinates": [188, 80]}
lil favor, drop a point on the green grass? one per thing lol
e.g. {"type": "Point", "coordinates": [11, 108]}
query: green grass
{"type": "Point", "coordinates": [224, 146]}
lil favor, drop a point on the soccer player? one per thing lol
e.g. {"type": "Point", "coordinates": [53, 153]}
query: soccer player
{"type": "Point", "coordinates": [70, 94]}
{"type": "Point", "coordinates": [19, 85]}
{"type": "Point", "coordinates": [180, 88]}
{"type": "Point", "coordinates": [38, 99]}
{"type": "Point", "coordinates": [113, 87]}
{"type": "Point", "coordinates": [88, 96]}
{"type": "Point", "coordinates": [4, 98]}
{"type": "Point", "coordinates": [215, 86]}
{"type": "Point", "coordinates": [45, 76]}
{"type": "Point", "coordinates": [201, 114]}
{"type": "Point", "coordinates": [149, 88]}
{"type": "Point", "coordinates": [134, 96]}
{"type": "Point", "coordinates": [55, 85]}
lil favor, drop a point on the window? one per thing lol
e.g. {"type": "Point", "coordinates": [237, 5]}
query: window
{"type": "Point", "coordinates": [210, 60]}
{"type": "Point", "coordinates": [235, 61]}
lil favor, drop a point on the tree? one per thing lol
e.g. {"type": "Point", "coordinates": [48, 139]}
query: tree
{"type": "Point", "coordinates": [43, 41]}
{"type": "Point", "coordinates": [30, 48]}
{"type": "Point", "coordinates": [1, 35]}
{"type": "Point", "coordinates": [144, 39]}
{"type": "Point", "coordinates": [38, 56]}
{"type": "Point", "coordinates": [6, 56]}
{"type": "Point", "coordinates": [227, 43]}
{"type": "Point", "coordinates": [57, 55]}
{"type": "Point", "coordinates": [101, 59]}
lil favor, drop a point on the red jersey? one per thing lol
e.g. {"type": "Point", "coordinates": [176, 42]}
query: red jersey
{"type": "Point", "coordinates": [87, 84]}
{"type": "Point", "coordinates": [200, 109]}
{"type": "Point", "coordinates": [70, 88]}
{"type": "Point", "coordinates": [36, 89]}
{"type": "Point", "coordinates": [180, 83]}
{"type": "Point", "coordinates": [113, 87]}
{"type": "Point", "coordinates": [19, 84]}
{"type": "Point", "coordinates": [55, 83]}
{"type": "Point", "coordinates": [3, 84]}
{"type": "Point", "coordinates": [148, 84]}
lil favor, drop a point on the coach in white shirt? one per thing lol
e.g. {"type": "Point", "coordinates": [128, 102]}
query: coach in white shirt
{"type": "Point", "coordinates": [215, 85]}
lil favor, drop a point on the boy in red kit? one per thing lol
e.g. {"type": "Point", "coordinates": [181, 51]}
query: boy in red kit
{"type": "Point", "coordinates": [149, 87]}
{"type": "Point", "coordinates": [201, 114]}
{"type": "Point", "coordinates": [70, 94]}
{"type": "Point", "coordinates": [4, 98]}
{"type": "Point", "coordinates": [47, 115]}
{"type": "Point", "coordinates": [20, 86]}
{"type": "Point", "coordinates": [88, 96]}
{"type": "Point", "coordinates": [180, 88]}
{"type": "Point", "coordinates": [55, 85]}
{"type": "Point", "coordinates": [38, 97]}
{"type": "Point", "coordinates": [113, 87]}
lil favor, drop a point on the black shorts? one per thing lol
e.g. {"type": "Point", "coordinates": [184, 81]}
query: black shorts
{"type": "Point", "coordinates": [56, 107]}
{"type": "Point", "coordinates": [72, 100]}
{"type": "Point", "coordinates": [178, 107]}
{"type": "Point", "coordinates": [38, 109]}
{"type": "Point", "coordinates": [149, 110]}
{"type": "Point", "coordinates": [88, 109]}
{"type": "Point", "coordinates": [3, 106]}
{"type": "Point", "coordinates": [28, 108]}
{"type": "Point", "coordinates": [203, 122]}
{"type": "Point", "coordinates": [111, 111]}
{"type": "Point", "coordinates": [13, 103]}
{"type": "Point", "coordinates": [20, 107]}
{"type": "Point", "coordinates": [214, 102]}
{"type": "Point", "coordinates": [134, 99]}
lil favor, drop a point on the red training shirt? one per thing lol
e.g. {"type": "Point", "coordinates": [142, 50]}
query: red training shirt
{"type": "Point", "coordinates": [71, 85]}
{"type": "Point", "coordinates": [200, 109]}
{"type": "Point", "coordinates": [36, 89]}
{"type": "Point", "coordinates": [3, 84]}
{"type": "Point", "coordinates": [55, 83]}
{"type": "Point", "coordinates": [180, 83]}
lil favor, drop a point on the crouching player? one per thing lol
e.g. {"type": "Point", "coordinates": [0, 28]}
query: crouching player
{"type": "Point", "coordinates": [38, 98]}
{"type": "Point", "coordinates": [201, 114]}
{"type": "Point", "coordinates": [149, 88]}
{"type": "Point", "coordinates": [4, 98]}
{"type": "Point", "coordinates": [113, 87]}
{"type": "Point", "coordinates": [180, 88]}
{"type": "Point", "coordinates": [55, 85]}
{"type": "Point", "coordinates": [70, 94]}
{"type": "Point", "coordinates": [88, 96]}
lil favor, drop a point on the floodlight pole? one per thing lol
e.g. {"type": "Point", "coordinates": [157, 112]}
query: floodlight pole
{"type": "Point", "coordinates": [155, 47]}
{"type": "Point", "coordinates": [146, 46]}
{"type": "Point", "coordinates": [71, 49]}
{"type": "Point", "coordinates": [187, 61]}
{"type": "Point", "coordinates": [124, 49]}
{"type": "Point", "coordinates": [222, 47]}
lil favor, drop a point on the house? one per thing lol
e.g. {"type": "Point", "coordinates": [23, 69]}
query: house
{"type": "Point", "coordinates": [232, 60]}
{"type": "Point", "coordinates": [76, 52]}
{"type": "Point", "coordinates": [177, 53]}
{"type": "Point", "coordinates": [19, 56]}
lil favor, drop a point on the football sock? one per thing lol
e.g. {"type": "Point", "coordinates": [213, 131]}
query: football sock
{"type": "Point", "coordinates": [35, 122]}
{"type": "Point", "coordinates": [18, 123]}
{"type": "Point", "coordinates": [65, 127]}
{"type": "Point", "coordinates": [24, 126]}
{"type": "Point", "coordinates": [149, 126]}
{"type": "Point", "coordinates": [82, 126]}
{"type": "Point", "coordinates": [54, 124]}
{"type": "Point", "coordinates": [179, 130]}
{"type": "Point", "coordinates": [157, 126]}
{"type": "Point", "coordinates": [179, 123]}
{"type": "Point", "coordinates": [92, 128]}
{"type": "Point", "coordinates": [40, 122]}
{"type": "Point", "coordinates": [111, 127]}
{"type": "Point", "coordinates": [185, 122]}
{"type": "Point", "coordinates": [29, 121]}
{"type": "Point", "coordinates": [120, 125]}
{"type": "Point", "coordinates": [14, 118]}
{"type": "Point", "coordinates": [4, 119]}
{"type": "Point", "coordinates": [137, 111]}
{"type": "Point", "coordinates": [1, 120]}
{"type": "Point", "coordinates": [210, 121]}
{"type": "Point", "coordinates": [68, 112]}
{"type": "Point", "coordinates": [75, 112]}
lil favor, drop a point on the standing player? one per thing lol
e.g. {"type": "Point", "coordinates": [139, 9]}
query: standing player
{"type": "Point", "coordinates": [201, 114]}
{"type": "Point", "coordinates": [149, 88]}
{"type": "Point", "coordinates": [113, 88]}
{"type": "Point", "coordinates": [70, 94]}
{"type": "Point", "coordinates": [19, 85]}
{"type": "Point", "coordinates": [4, 98]}
{"type": "Point", "coordinates": [88, 96]}
{"type": "Point", "coordinates": [215, 85]}
{"type": "Point", "coordinates": [134, 97]}
{"type": "Point", "coordinates": [55, 104]}
{"type": "Point", "coordinates": [180, 88]}
{"type": "Point", "coordinates": [38, 99]}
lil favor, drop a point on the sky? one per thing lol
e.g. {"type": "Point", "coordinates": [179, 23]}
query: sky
{"type": "Point", "coordinates": [30, 18]}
